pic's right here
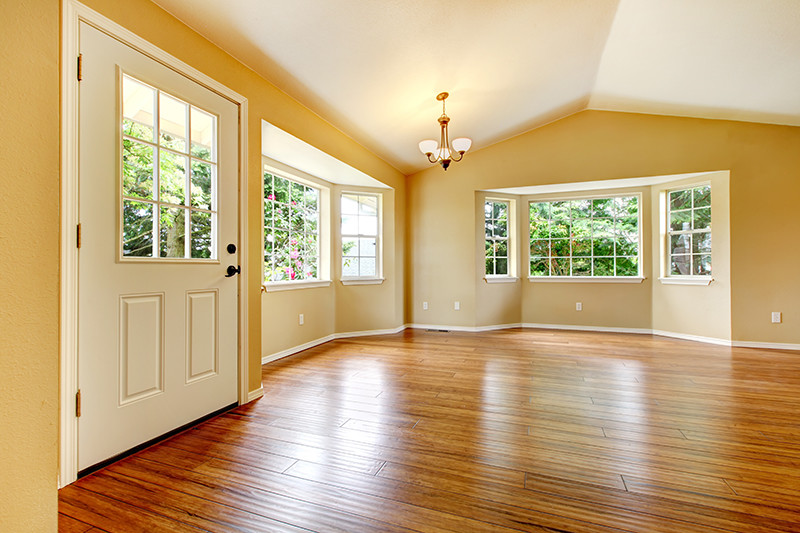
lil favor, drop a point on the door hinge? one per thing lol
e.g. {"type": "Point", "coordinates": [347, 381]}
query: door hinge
{"type": "Point", "coordinates": [78, 236]}
{"type": "Point", "coordinates": [78, 404]}
{"type": "Point", "coordinates": [80, 67]}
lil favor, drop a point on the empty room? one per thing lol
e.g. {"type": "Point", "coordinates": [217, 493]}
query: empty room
{"type": "Point", "coordinates": [394, 265]}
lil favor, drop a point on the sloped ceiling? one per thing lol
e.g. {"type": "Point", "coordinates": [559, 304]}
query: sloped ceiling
{"type": "Point", "coordinates": [373, 67]}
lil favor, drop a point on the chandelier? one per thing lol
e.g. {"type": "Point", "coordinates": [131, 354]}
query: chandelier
{"type": "Point", "coordinates": [444, 152]}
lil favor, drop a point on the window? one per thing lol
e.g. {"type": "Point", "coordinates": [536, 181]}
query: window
{"type": "Point", "coordinates": [291, 230]}
{"type": "Point", "coordinates": [169, 176]}
{"type": "Point", "coordinates": [689, 234]}
{"type": "Point", "coordinates": [497, 242]}
{"type": "Point", "coordinates": [360, 236]}
{"type": "Point", "coordinates": [590, 237]}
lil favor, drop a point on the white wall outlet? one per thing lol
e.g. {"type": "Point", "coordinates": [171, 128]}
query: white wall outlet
{"type": "Point", "coordinates": [457, 305]}
{"type": "Point", "coordinates": [776, 317]}
{"type": "Point", "coordinates": [578, 306]}
{"type": "Point", "coordinates": [302, 319]}
{"type": "Point", "coordinates": [424, 306]}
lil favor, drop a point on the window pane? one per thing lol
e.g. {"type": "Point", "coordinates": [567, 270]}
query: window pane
{"type": "Point", "coordinates": [297, 194]}
{"type": "Point", "coordinates": [603, 266]}
{"type": "Point", "coordinates": [311, 221]}
{"type": "Point", "coordinates": [201, 235]}
{"type": "Point", "coordinates": [680, 220]}
{"type": "Point", "coordinates": [627, 245]}
{"type": "Point", "coordinates": [368, 225]}
{"type": "Point", "coordinates": [702, 196]}
{"type": "Point", "coordinates": [137, 169]}
{"type": "Point", "coordinates": [501, 249]}
{"type": "Point", "coordinates": [581, 267]}
{"type": "Point", "coordinates": [680, 244]}
{"type": "Point", "coordinates": [311, 198]}
{"type": "Point", "coordinates": [173, 232]}
{"type": "Point", "coordinates": [137, 229]}
{"type": "Point", "coordinates": [368, 205]}
{"type": "Point", "coordinates": [350, 266]}
{"type": "Point", "coordinates": [539, 220]}
{"type": "Point", "coordinates": [603, 247]}
{"type": "Point", "coordinates": [202, 179]}
{"type": "Point", "coordinates": [540, 266]}
{"type": "Point", "coordinates": [350, 247]}
{"type": "Point", "coordinates": [367, 266]}
{"type": "Point", "coordinates": [629, 224]}
{"type": "Point", "coordinates": [561, 267]}
{"type": "Point", "coordinates": [269, 207]}
{"type": "Point", "coordinates": [138, 104]}
{"type": "Point", "coordinates": [501, 228]}
{"type": "Point", "coordinates": [581, 209]}
{"type": "Point", "coordinates": [702, 218]}
{"type": "Point", "coordinates": [280, 216]}
{"type": "Point", "coordinates": [366, 247]}
{"type": "Point", "coordinates": [582, 228]}
{"type": "Point", "coordinates": [702, 264]}
{"type": "Point", "coordinates": [582, 247]}
{"type": "Point", "coordinates": [501, 266]}
{"type": "Point", "coordinates": [500, 211]}
{"type": "Point", "coordinates": [490, 266]}
{"type": "Point", "coordinates": [625, 206]}
{"type": "Point", "coordinates": [680, 199]}
{"type": "Point", "coordinates": [172, 113]}
{"type": "Point", "coordinates": [603, 207]}
{"type": "Point", "coordinates": [560, 247]}
{"type": "Point", "coordinates": [281, 190]}
{"type": "Point", "coordinates": [349, 225]}
{"type": "Point", "coordinates": [349, 204]}
{"type": "Point", "coordinates": [172, 179]}
{"type": "Point", "coordinates": [269, 191]}
{"type": "Point", "coordinates": [627, 266]}
{"type": "Point", "coordinates": [297, 219]}
{"type": "Point", "coordinates": [701, 243]}
{"type": "Point", "coordinates": [603, 228]}
{"type": "Point", "coordinates": [203, 134]}
{"type": "Point", "coordinates": [681, 265]}
{"type": "Point", "coordinates": [540, 248]}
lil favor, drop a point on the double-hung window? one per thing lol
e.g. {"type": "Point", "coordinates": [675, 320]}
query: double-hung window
{"type": "Point", "coordinates": [360, 236]}
{"type": "Point", "coordinates": [689, 233]}
{"type": "Point", "coordinates": [496, 214]}
{"type": "Point", "coordinates": [291, 230]}
{"type": "Point", "coordinates": [587, 237]}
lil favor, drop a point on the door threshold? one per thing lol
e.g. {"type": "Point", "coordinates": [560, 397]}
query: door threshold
{"type": "Point", "coordinates": [111, 460]}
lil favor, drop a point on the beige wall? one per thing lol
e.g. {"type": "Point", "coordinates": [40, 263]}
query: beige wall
{"type": "Point", "coordinates": [764, 165]}
{"type": "Point", "coordinates": [29, 252]}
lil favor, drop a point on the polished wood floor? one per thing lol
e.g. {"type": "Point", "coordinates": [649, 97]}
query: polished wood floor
{"type": "Point", "coordinates": [521, 430]}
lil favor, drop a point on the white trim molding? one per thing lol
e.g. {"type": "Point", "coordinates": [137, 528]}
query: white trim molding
{"type": "Point", "coordinates": [686, 280]}
{"type": "Point", "coordinates": [585, 279]}
{"type": "Point", "coordinates": [278, 286]}
{"type": "Point", "coordinates": [606, 329]}
{"type": "Point", "coordinates": [695, 338]}
{"type": "Point", "coordinates": [255, 394]}
{"type": "Point", "coordinates": [362, 281]}
{"type": "Point", "coordinates": [73, 13]}
{"type": "Point", "coordinates": [500, 279]}
{"type": "Point", "coordinates": [766, 345]}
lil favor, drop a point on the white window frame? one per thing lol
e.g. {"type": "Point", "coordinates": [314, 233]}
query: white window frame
{"type": "Point", "coordinates": [323, 228]}
{"type": "Point", "coordinates": [510, 275]}
{"type": "Point", "coordinates": [667, 277]}
{"type": "Point", "coordinates": [638, 278]}
{"type": "Point", "coordinates": [378, 236]}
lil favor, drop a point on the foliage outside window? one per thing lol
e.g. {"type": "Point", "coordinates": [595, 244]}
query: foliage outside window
{"type": "Point", "coordinates": [596, 237]}
{"type": "Point", "coordinates": [360, 235]}
{"type": "Point", "coordinates": [169, 175]}
{"type": "Point", "coordinates": [689, 235]}
{"type": "Point", "coordinates": [497, 245]}
{"type": "Point", "coordinates": [291, 230]}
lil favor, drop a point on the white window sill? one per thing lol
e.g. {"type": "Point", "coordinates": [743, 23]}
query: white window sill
{"type": "Point", "coordinates": [276, 286]}
{"type": "Point", "coordinates": [362, 281]}
{"type": "Point", "coordinates": [500, 279]}
{"type": "Point", "coordinates": [585, 279]}
{"type": "Point", "coordinates": [686, 280]}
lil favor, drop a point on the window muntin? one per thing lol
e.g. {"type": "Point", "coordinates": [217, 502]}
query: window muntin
{"type": "Point", "coordinates": [360, 230]}
{"type": "Point", "coordinates": [291, 230]}
{"type": "Point", "coordinates": [497, 246]}
{"type": "Point", "coordinates": [588, 237]}
{"type": "Point", "coordinates": [689, 231]}
{"type": "Point", "coordinates": [169, 176]}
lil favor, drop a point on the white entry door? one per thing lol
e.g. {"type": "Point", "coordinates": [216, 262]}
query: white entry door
{"type": "Point", "coordinates": [158, 322]}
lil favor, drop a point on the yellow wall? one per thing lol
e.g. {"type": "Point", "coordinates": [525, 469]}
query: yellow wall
{"type": "Point", "coordinates": [764, 165]}
{"type": "Point", "coordinates": [29, 248]}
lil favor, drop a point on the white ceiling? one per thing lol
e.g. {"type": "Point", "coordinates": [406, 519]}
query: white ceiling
{"type": "Point", "coordinates": [373, 67]}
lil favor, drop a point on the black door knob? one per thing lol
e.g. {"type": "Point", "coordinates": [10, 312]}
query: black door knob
{"type": "Point", "coordinates": [232, 271]}
{"type": "Point", "coordinates": [231, 248]}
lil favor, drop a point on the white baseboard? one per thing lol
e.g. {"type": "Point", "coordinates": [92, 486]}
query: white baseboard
{"type": "Point", "coordinates": [638, 331]}
{"type": "Point", "coordinates": [322, 340]}
{"type": "Point", "coordinates": [766, 345]}
{"type": "Point", "coordinates": [472, 329]}
{"type": "Point", "coordinates": [369, 332]}
{"type": "Point", "coordinates": [695, 338]}
{"type": "Point", "coordinates": [255, 394]}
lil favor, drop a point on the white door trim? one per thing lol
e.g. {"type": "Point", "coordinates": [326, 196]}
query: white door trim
{"type": "Point", "coordinates": [73, 13]}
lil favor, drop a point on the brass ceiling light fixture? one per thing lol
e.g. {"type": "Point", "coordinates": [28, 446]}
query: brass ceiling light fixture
{"type": "Point", "coordinates": [443, 152]}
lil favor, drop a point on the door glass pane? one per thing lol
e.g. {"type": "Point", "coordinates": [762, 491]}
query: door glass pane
{"type": "Point", "coordinates": [201, 235]}
{"type": "Point", "coordinates": [172, 178]}
{"type": "Point", "coordinates": [138, 105]}
{"type": "Point", "coordinates": [137, 229]}
{"type": "Point", "coordinates": [137, 169]}
{"type": "Point", "coordinates": [201, 184]}
{"type": "Point", "coordinates": [173, 232]}
{"type": "Point", "coordinates": [172, 114]}
{"type": "Point", "coordinates": [203, 134]}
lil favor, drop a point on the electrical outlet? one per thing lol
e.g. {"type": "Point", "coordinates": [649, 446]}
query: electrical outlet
{"type": "Point", "coordinates": [776, 317]}
{"type": "Point", "coordinates": [424, 306]}
{"type": "Point", "coordinates": [302, 319]}
{"type": "Point", "coordinates": [578, 306]}
{"type": "Point", "coordinates": [457, 305]}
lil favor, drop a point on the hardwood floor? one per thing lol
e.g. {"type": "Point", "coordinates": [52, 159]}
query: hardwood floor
{"type": "Point", "coordinates": [525, 430]}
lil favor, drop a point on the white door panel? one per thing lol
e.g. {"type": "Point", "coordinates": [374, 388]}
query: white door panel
{"type": "Point", "coordinates": [157, 337]}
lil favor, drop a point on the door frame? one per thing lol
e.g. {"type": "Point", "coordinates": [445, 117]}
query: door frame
{"type": "Point", "coordinates": [73, 13]}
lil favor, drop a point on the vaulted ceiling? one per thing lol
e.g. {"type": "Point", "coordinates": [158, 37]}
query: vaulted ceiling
{"type": "Point", "coordinates": [373, 67]}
